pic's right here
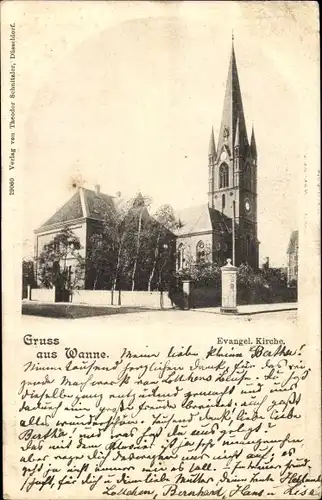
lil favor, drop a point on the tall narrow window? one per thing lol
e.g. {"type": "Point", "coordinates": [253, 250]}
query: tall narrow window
{"type": "Point", "coordinates": [200, 252]}
{"type": "Point", "coordinates": [180, 256]}
{"type": "Point", "coordinates": [223, 202]}
{"type": "Point", "coordinates": [56, 245]}
{"type": "Point", "coordinates": [223, 175]}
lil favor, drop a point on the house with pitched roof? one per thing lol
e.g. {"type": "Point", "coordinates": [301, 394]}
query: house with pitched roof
{"type": "Point", "coordinates": [226, 226]}
{"type": "Point", "coordinates": [82, 214]}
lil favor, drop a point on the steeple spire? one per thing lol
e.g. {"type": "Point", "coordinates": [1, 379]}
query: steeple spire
{"type": "Point", "coordinates": [212, 147]}
{"type": "Point", "coordinates": [237, 134]}
{"type": "Point", "coordinates": [232, 110]}
{"type": "Point", "coordinates": [253, 147]}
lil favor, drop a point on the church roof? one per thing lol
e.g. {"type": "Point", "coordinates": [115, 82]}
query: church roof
{"type": "Point", "coordinates": [220, 222]}
{"type": "Point", "coordinates": [193, 219]}
{"type": "Point", "coordinates": [84, 203]}
{"type": "Point", "coordinates": [233, 111]}
{"type": "Point", "coordinates": [293, 243]}
{"type": "Point", "coordinates": [212, 146]}
{"type": "Point", "coordinates": [201, 218]}
{"type": "Point", "coordinates": [253, 146]}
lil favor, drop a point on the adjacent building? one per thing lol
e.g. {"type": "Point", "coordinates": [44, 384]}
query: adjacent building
{"type": "Point", "coordinates": [82, 214]}
{"type": "Point", "coordinates": [292, 257]}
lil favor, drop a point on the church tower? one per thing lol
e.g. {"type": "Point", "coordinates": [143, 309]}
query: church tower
{"type": "Point", "coordinates": [232, 173]}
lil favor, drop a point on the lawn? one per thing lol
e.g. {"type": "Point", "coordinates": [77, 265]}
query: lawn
{"type": "Point", "coordinates": [73, 311]}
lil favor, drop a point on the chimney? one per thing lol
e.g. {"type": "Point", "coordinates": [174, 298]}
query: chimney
{"type": "Point", "coordinates": [97, 189]}
{"type": "Point", "coordinates": [118, 194]}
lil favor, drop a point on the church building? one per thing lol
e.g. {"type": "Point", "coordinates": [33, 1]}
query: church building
{"type": "Point", "coordinates": [225, 227]}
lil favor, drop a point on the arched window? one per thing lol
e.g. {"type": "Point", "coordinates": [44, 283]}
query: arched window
{"type": "Point", "coordinates": [223, 175]}
{"type": "Point", "coordinates": [200, 252]}
{"type": "Point", "coordinates": [180, 256]}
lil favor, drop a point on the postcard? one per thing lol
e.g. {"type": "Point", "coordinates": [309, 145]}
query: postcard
{"type": "Point", "coordinates": [161, 250]}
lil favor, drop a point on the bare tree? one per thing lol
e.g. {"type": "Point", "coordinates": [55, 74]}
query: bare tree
{"type": "Point", "coordinates": [161, 234]}
{"type": "Point", "coordinates": [60, 262]}
{"type": "Point", "coordinates": [130, 248]}
{"type": "Point", "coordinates": [139, 209]}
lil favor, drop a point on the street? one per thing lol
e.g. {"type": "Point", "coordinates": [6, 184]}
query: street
{"type": "Point", "coordinates": [173, 325]}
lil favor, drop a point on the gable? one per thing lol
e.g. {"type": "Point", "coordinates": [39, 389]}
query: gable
{"type": "Point", "coordinates": [224, 151]}
{"type": "Point", "coordinates": [71, 210]}
{"type": "Point", "coordinates": [87, 203]}
{"type": "Point", "coordinates": [193, 220]}
{"type": "Point", "coordinates": [202, 218]}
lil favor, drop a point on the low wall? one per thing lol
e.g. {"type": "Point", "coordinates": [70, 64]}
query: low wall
{"type": "Point", "coordinates": [43, 294]}
{"type": "Point", "coordinates": [128, 299]}
{"type": "Point", "coordinates": [94, 297]}
{"type": "Point", "coordinates": [144, 299]}
{"type": "Point", "coordinates": [151, 300]}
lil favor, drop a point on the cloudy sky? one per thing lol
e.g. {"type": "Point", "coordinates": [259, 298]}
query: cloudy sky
{"type": "Point", "coordinates": [124, 95]}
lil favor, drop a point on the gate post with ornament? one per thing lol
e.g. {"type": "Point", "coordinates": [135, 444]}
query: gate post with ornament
{"type": "Point", "coordinates": [228, 289]}
{"type": "Point", "coordinates": [186, 285]}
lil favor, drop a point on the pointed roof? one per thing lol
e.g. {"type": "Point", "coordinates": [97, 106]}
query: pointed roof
{"type": "Point", "coordinates": [293, 242]}
{"type": "Point", "coordinates": [201, 219]}
{"type": "Point", "coordinates": [232, 111]}
{"type": "Point", "coordinates": [87, 203]}
{"type": "Point", "coordinates": [212, 146]}
{"type": "Point", "coordinates": [237, 137]}
{"type": "Point", "coordinates": [253, 147]}
{"type": "Point", "coordinates": [83, 203]}
{"type": "Point", "coordinates": [193, 219]}
{"type": "Point", "coordinates": [71, 210]}
{"type": "Point", "coordinates": [138, 200]}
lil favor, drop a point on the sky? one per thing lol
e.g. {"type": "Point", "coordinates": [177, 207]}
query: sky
{"type": "Point", "coordinates": [125, 95]}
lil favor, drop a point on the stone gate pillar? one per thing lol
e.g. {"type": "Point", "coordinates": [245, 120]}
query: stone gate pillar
{"type": "Point", "coordinates": [186, 285]}
{"type": "Point", "coordinates": [228, 289]}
